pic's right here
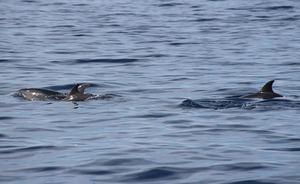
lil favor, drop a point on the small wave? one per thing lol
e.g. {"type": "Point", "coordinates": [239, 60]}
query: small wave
{"type": "Point", "coordinates": [153, 116]}
{"type": "Point", "coordinates": [170, 4]}
{"type": "Point", "coordinates": [90, 171]}
{"type": "Point", "coordinates": [289, 64]}
{"type": "Point", "coordinates": [31, 148]}
{"type": "Point", "coordinates": [206, 19]}
{"type": "Point", "coordinates": [284, 149]}
{"type": "Point", "coordinates": [279, 7]}
{"type": "Point", "coordinates": [247, 166]}
{"type": "Point", "coordinates": [83, 61]}
{"type": "Point", "coordinates": [159, 173]}
{"type": "Point", "coordinates": [180, 43]}
{"type": "Point", "coordinates": [251, 182]}
{"type": "Point", "coordinates": [40, 169]}
{"type": "Point", "coordinates": [25, 129]}
{"type": "Point", "coordinates": [86, 61]}
{"type": "Point", "coordinates": [126, 162]}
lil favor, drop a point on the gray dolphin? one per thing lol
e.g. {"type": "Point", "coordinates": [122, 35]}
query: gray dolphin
{"type": "Point", "coordinates": [76, 94]}
{"type": "Point", "coordinates": [266, 92]}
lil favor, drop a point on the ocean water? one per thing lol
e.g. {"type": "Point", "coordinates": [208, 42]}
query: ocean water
{"type": "Point", "coordinates": [157, 58]}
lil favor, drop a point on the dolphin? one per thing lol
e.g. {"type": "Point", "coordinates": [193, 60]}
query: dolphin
{"type": "Point", "coordinates": [76, 93]}
{"type": "Point", "coordinates": [266, 92]}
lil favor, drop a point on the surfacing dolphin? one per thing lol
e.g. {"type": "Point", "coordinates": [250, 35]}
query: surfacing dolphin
{"type": "Point", "coordinates": [76, 93]}
{"type": "Point", "coordinates": [266, 92]}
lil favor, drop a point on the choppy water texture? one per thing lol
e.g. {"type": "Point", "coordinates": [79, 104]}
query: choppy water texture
{"type": "Point", "coordinates": [155, 57]}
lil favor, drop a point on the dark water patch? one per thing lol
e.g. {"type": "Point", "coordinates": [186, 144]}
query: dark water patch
{"type": "Point", "coordinates": [29, 1]}
{"type": "Point", "coordinates": [7, 146]}
{"type": "Point", "coordinates": [246, 166]}
{"type": "Point", "coordinates": [7, 60]}
{"type": "Point", "coordinates": [292, 18]}
{"type": "Point", "coordinates": [84, 61]}
{"type": "Point", "coordinates": [253, 182]}
{"type": "Point", "coordinates": [264, 132]}
{"type": "Point", "coordinates": [63, 26]}
{"type": "Point", "coordinates": [127, 162]}
{"type": "Point", "coordinates": [293, 140]}
{"type": "Point", "coordinates": [182, 127]}
{"type": "Point", "coordinates": [61, 52]}
{"type": "Point", "coordinates": [90, 172]}
{"type": "Point", "coordinates": [236, 126]}
{"type": "Point", "coordinates": [262, 9]}
{"type": "Point", "coordinates": [98, 120]}
{"type": "Point", "coordinates": [182, 43]}
{"type": "Point", "coordinates": [263, 16]}
{"type": "Point", "coordinates": [289, 64]}
{"type": "Point", "coordinates": [279, 7]}
{"type": "Point", "coordinates": [206, 19]}
{"type": "Point", "coordinates": [241, 118]}
{"type": "Point", "coordinates": [231, 129]}
{"type": "Point", "coordinates": [169, 4]}
{"type": "Point", "coordinates": [6, 118]}
{"type": "Point", "coordinates": [156, 55]}
{"type": "Point", "coordinates": [91, 139]}
{"type": "Point", "coordinates": [80, 35]}
{"type": "Point", "coordinates": [153, 116]}
{"type": "Point", "coordinates": [80, 4]}
{"type": "Point", "coordinates": [158, 174]}
{"type": "Point", "coordinates": [119, 162]}
{"type": "Point", "coordinates": [40, 169]}
{"type": "Point", "coordinates": [172, 173]}
{"type": "Point", "coordinates": [177, 122]}
{"type": "Point", "coordinates": [87, 61]}
{"type": "Point", "coordinates": [284, 149]}
{"type": "Point", "coordinates": [180, 79]}
{"type": "Point", "coordinates": [36, 130]}
{"type": "Point", "coordinates": [54, 4]}
{"type": "Point", "coordinates": [135, 151]}
{"type": "Point", "coordinates": [32, 68]}
{"type": "Point", "coordinates": [236, 63]}
{"type": "Point", "coordinates": [31, 149]}
{"type": "Point", "coordinates": [3, 136]}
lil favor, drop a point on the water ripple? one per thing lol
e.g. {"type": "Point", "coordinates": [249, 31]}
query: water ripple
{"type": "Point", "coordinates": [31, 149]}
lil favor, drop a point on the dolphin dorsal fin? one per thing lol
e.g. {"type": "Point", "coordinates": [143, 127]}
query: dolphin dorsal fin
{"type": "Point", "coordinates": [74, 90]}
{"type": "Point", "coordinates": [267, 88]}
{"type": "Point", "coordinates": [82, 87]}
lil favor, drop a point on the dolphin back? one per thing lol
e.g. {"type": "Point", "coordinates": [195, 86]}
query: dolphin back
{"type": "Point", "coordinates": [37, 93]}
{"type": "Point", "coordinates": [266, 92]}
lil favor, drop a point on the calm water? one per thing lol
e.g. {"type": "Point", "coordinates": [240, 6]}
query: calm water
{"type": "Point", "coordinates": [153, 55]}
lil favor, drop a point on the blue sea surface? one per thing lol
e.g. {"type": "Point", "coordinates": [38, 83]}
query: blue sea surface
{"type": "Point", "coordinates": [176, 69]}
